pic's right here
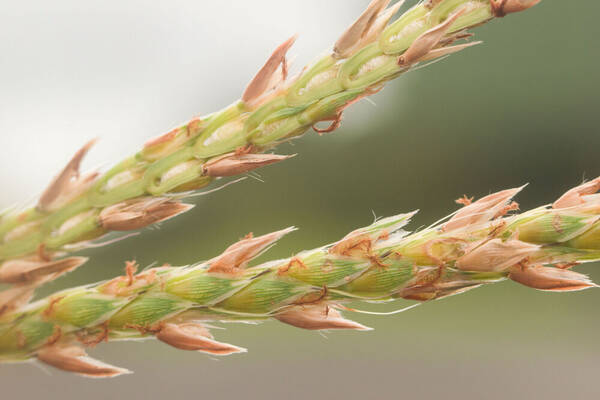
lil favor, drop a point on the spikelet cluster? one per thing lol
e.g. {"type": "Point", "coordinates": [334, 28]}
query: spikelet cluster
{"type": "Point", "coordinates": [149, 186]}
{"type": "Point", "coordinates": [480, 244]}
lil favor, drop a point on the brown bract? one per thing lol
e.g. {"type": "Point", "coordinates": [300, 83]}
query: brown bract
{"type": "Point", "coordinates": [139, 213]}
{"type": "Point", "coordinates": [263, 81]}
{"type": "Point", "coordinates": [431, 283]}
{"type": "Point", "coordinates": [233, 164]}
{"type": "Point", "coordinates": [15, 297]}
{"type": "Point", "coordinates": [496, 255]}
{"type": "Point", "coordinates": [195, 337]}
{"type": "Point", "coordinates": [447, 50]}
{"type": "Point", "coordinates": [130, 282]}
{"type": "Point", "coordinates": [575, 196]}
{"type": "Point", "coordinates": [352, 37]}
{"type": "Point", "coordinates": [483, 210]}
{"type": "Point", "coordinates": [549, 278]}
{"type": "Point", "coordinates": [236, 256]}
{"type": "Point", "coordinates": [351, 243]}
{"type": "Point", "coordinates": [23, 270]}
{"type": "Point", "coordinates": [358, 243]}
{"type": "Point", "coordinates": [428, 40]}
{"type": "Point", "coordinates": [162, 139]}
{"type": "Point", "coordinates": [380, 24]}
{"type": "Point", "coordinates": [73, 358]}
{"type": "Point", "coordinates": [501, 8]}
{"type": "Point", "coordinates": [317, 317]}
{"type": "Point", "coordinates": [68, 184]}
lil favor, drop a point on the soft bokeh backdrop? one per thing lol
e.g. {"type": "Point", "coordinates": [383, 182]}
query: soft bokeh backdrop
{"type": "Point", "coordinates": [522, 107]}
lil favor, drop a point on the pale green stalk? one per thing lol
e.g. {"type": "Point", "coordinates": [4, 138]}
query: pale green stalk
{"type": "Point", "coordinates": [478, 245]}
{"type": "Point", "coordinates": [147, 187]}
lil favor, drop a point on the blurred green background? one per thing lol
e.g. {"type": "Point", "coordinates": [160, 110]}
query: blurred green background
{"type": "Point", "coordinates": [522, 107]}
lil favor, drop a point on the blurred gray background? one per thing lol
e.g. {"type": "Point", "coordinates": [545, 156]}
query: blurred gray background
{"type": "Point", "coordinates": [522, 107]}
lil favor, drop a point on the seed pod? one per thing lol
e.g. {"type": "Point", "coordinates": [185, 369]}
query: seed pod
{"type": "Point", "coordinates": [73, 358]}
{"type": "Point", "coordinates": [238, 164]}
{"type": "Point", "coordinates": [317, 317]}
{"type": "Point", "coordinates": [549, 278]}
{"type": "Point", "coordinates": [194, 337]}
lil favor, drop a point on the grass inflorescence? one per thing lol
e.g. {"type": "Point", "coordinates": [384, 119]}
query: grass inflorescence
{"type": "Point", "coordinates": [482, 243]}
{"type": "Point", "coordinates": [149, 186]}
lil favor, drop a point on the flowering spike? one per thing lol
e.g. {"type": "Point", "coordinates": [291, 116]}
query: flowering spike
{"type": "Point", "coordinates": [353, 35]}
{"type": "Point", "coordinates": [377, 263]}
{"type": "Point", "coordinates": [317, 317]}
{"type": "Point", "coordinates": [195, 337]}
{"type": "Point", "coordinates": [237, 255]}
{"type": "Point", "coordinates": [428, 40]}
{"type": "Point", "coordinates": [135, 306]}
{"type": "Point", "coordinates": [66, 181]}
{"type": "Point", "coordinates": [549, 278]}
{"type": "Point", "coordinates": [575, 196]}
{"type": "Point", "coordinates": [73, 358]}
{"type": "Point", "coordinates": [139, 213]}
{"type": "Point", "coordinates": [238, 164]}
{"type": "Point", "coordinates": [501, 8]}
{"type": "Point", "coordinates": [483, 210]}
{"type": "Point", "coordinates": [21, 271]}
{"type": "Point", "coordinates": [262, 81]}
{"type": "Point", "coordinates": [496, 255]}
